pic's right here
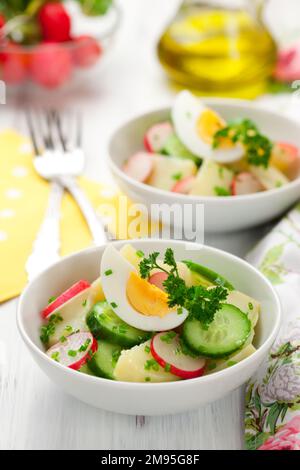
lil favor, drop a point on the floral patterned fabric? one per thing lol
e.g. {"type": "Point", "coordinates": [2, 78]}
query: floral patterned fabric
{"type": "Point", "coordinates": [272, 417]}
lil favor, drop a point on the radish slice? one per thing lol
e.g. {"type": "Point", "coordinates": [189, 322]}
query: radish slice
{"type": "Point", "coordinates": [285, 157]}
{"type": "Point", "coordinates": [158, 279]}
{"type": "Point", "coordinates": [183, 186]}
{"type": "Point", "coordinates": [139, 166]}
{"type": "Point", "coordinates": [166, 350]}
{"type": "Point", "coordinates": [73, 291]}
{"type": "Point", "coordinates": [245, 183]}
{"type": "Point", "coordinates": [74, 351]}
{"type": "Point", "coordinates": [157, 136]}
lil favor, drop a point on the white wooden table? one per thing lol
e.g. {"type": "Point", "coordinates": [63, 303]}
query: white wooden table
{"type": "Point", "coordinates": [34, 414]}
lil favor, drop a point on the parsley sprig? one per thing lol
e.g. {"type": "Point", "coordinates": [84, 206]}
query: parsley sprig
{"type": "Point", "coordinates": [200, 302]}
{"type": "Point", "coordinates": [258, 146]}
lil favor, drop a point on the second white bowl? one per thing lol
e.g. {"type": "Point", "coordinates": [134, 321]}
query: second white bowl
{"type": "Point", "coordinates": [221, 214]}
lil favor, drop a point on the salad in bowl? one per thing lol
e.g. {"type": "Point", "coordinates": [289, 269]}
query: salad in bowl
{"type": "Point", "coordinates": [150, 318]}
{"type": "Point", "coordinates": [198, 153]}
{"type": "Point", "coordinates": [237, 160]}
{"type": "Point", "coordinates": [149, 327]}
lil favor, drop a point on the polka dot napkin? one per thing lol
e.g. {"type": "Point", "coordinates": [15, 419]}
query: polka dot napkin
{"type": "Point", "coordinates": [23, 200]}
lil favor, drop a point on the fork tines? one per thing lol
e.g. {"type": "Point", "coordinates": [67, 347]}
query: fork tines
{"type": "Point", "coordinates": [47, 131]}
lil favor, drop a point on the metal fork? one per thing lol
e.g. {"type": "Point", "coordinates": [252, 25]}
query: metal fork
{"type": "Point", "coordinates": [47, 243]}
{"type": "Point", "coordinates": [59, 159]}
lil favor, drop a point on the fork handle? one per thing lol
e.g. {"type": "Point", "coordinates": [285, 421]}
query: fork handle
{"type": "Point", "coordinates": [47, 243]}
{"type": "Point", "coordinates": [94, 223]}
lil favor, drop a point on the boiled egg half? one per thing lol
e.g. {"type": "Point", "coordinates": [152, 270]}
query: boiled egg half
{"type": "Point", "coordinates": [196, 125]}
{"type": "Point", "coordinates": [133, 299]}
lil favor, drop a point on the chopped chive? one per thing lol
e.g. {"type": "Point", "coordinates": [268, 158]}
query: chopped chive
{"type": "Point", "coordinates": [147, 379]}
{"type": "Point", "coordinates": [72, 353]}
{"type": "Point", "coordinates": [179, 311]}
{"type": "Point", "coordinates": [68, 329]}
{"type": "Point", "coordinates": [115, 356]}
{"type": "Point", "coordinates": [212, 366]}
{"type": "Point", "coordinates": [221, 191]}
{"type": "Point", "coordinates": [113, 304]}
{"type": "Point", "coordinates": [250, 305]}
{"type": "Point", "coordinates": [108, 272]}
{"type": "Point", "coordinates": [62, 339]}
{"type": "Point", "coordinates": [51, 300]}
{"type": "Point", "coordinates": [231, 363]}
{"type": "Point", "coordinates": [140, 253]}
{"type": "Point", "coordinates": [167, 337]}
{"type": "Point", "coordinates": [55, 356]}
{"type": "Point", "coordinates": [55, 318]}
{"type": "Point", "coordinates": [167, 367]}
{"type": "Point", "coordinates": [84, 303]}
{"type": "Point", "coordinates": [49, 329]}
{"type": "Point", "coordinates": [84, 346]}
{"type": "Point", "coordinates": [177, 176]}
{"type": "Point", "coordinates": [147, 349]}
{"type": "Point", "coordinates": [151, 364]}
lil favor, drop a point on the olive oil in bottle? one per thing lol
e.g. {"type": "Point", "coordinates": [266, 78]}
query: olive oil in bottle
{"type": "Point", "coordinates": [219, 48]}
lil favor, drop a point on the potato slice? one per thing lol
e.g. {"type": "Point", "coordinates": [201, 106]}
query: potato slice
{"type": "Point", "coordinates": [129, 253]}
{"type": "Point", "coordinates": [270, 177]}
{"type": "Point", "coordinates": [246, 304]}
{"type": "Point", "coordinates": [167, 170]}
{"type": "Point", "coordinates": [96, 291]}
{"type": "Point", "coordinates": [220, 364]}
{"type": "Point", "coordinates": [210, 178]}
{"type": "Point", "coordinates": [137, 365]}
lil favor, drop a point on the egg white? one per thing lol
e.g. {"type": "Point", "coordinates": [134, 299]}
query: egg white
{"type": "Point", "coordinates": [185, 113]}
{"type": "Point", "coordinates": [114, 288]}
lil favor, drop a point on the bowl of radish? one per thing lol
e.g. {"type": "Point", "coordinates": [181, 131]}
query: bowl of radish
{"type": "Point", "coordinates": [149, 327]}
{"type": "Point", "coordinates": [240, 161]}
{"type": "Point", "coordinates": [49, 45]}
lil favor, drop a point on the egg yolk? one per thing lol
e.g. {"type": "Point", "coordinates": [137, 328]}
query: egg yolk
{"type": "Point", "coordinates": [208, 123]}
{"type": "Point", "coordinates": [146, 298]}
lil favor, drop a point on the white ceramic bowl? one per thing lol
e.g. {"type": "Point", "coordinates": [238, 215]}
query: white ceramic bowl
{"type": "Point", "coordinates": [222, 214]}
{"type": "Point", "coordinates": [147, 398]}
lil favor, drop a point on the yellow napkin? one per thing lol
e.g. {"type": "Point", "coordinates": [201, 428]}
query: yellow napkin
{"type": "Point", "coordinates": [23, 200]}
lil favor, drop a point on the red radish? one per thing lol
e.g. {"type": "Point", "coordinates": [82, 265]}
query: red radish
{"type": "Point", "coordinates": [55, 22]}
{"type": "Point", "coordinates": [74, 351]}
{"type": "Point", "coordinates": [14, 65]}
{"type": "Point", "coordinates": [2, 21]}
{"type": "Point", "coordinates": [288, 63]}
{"type": "Point", "coordinates": [286, 158]}
{"type": "Point", "coordinates": [69, 294]}
{"type": "Point", "coordinates": [86, 51]}
{"type": "Point", "coordinates": [166, 350]}
{"type": "Point", "coordinates": [245, 183]}
{"type": "Point", "coordinates": [51, 65]}
{"type": "Point", "coordinates": [183, 186]}
{"type": "Point", "coordinates": [157, 136]}
{"type": "Point", "coordinates": [158, 279]}
{"type": "Point", "coordinates": [139, 166]}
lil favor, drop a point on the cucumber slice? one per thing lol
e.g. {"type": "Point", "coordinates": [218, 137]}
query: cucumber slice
{"type": "Point", "coordinates": [104, 360]}
{"type": "Point", "coordinates": [104, 323]}
{"type": "Point", "coordinates": [226, 334]}
{"type": "Point", "coordinates": [85, 370]}
{"type": "Point", "coordinates": [206, 277]}
{"type": "Point", "coordinates": [175, 148]}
